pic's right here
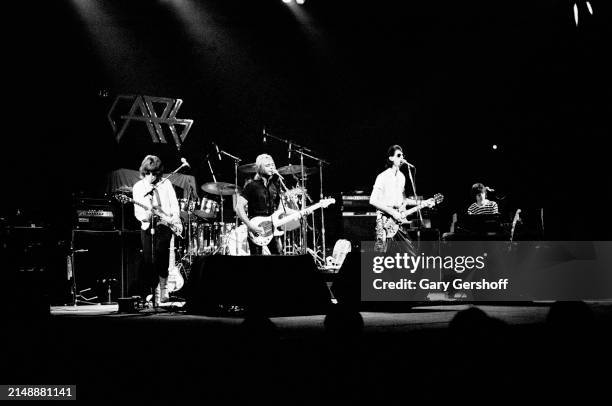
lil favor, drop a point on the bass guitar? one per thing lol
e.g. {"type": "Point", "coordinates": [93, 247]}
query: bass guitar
{"type": "Point", "coordinates": [173, 224]}
{"type": "Point", "coordinates": [391, 225]}
{"type": "Point", "coordinates": [281, 221]}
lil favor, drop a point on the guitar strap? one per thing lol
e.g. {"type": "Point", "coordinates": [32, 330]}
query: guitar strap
{"type": "Point", "coordinates": [156, 194]}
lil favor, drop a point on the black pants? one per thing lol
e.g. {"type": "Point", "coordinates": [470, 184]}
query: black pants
{"type": "Point", "coordinates": [275, 247]}
{"type": "Point", "coordinates": [154, 266]}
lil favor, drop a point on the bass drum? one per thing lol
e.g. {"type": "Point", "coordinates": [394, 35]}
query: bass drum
{"type": "Point", "coordinates": [239, 237]}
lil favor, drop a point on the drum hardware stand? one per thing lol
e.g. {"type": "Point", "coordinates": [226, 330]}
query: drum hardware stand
{"type": "Point", "coordinates": [189, 231]}
{"type": "Point", "coordinates": [221, 196]}
{"type": "Point", "coordinates": [320, 261]}
{"type": "Point", "coordinates": [286, 191]}
{"type": "Point", "coordinates": [236, 162]}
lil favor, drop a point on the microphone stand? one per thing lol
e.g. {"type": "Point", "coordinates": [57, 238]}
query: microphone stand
{"type": "Point", "coordinates": [189, 232]}
{"type": "Point", "coordinates": [412, 182]}
{"type": "Point", "coordinates": [221, 196]}
{"type": "Point", "coordinates": [236, 162]}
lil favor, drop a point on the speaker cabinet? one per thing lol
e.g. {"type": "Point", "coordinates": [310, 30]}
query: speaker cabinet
{"type": "Point", "coordinates": [358, 227]}
{"type": "Point", "coordinates": [97, 258]}
{"type": "Point", "coordinates": [270, 285]}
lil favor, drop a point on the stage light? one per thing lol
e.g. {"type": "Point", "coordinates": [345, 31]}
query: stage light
{"type": "Point", "coordinates": [286, 1]}
{"type": "Point", "coordinates": [300, 1]}
{"type": "Point", "coordinates": [576, 10]}
{"type": "Point", "coordinates": [494, 147]}
{"type": "Point", "coordinates": [576, 13]}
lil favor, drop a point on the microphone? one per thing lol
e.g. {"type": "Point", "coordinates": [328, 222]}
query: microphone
{"type": "Point", "coordinates": [185, 163]}
{"type": "Point", "coordinates": [404, 162]}
{"type": "Point", "coordinates": [218, 152]}
{"type": "Point", "coordinates": [488, 189]}
{"type": "Point", "coordinates": [278, 174]}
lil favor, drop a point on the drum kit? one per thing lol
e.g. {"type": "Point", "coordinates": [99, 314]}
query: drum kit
{"type": "Point", "coordinates": [207, 230]}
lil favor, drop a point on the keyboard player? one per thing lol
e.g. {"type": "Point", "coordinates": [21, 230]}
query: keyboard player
{"type": "Point", "coordinates": [482, 205]}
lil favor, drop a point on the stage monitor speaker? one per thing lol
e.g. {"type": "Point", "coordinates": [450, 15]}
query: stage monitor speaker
{"type": "Point", "coordinates": [347, 290]}
{"type": "Point", "coordinates": [269, 285]}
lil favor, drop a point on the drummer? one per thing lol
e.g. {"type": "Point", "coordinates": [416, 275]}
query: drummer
{"type": "Point", "coordinates": [262, 195]}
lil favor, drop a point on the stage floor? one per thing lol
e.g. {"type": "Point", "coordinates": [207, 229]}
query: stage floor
{"type": "Point", "coordinates": [419, 317]}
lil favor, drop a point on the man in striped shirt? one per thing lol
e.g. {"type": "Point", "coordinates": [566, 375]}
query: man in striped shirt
{"type": "Point", "coordinates": [482, 205]}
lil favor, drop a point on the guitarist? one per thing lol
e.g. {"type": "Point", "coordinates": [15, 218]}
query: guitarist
{"type": "Point", "coordinates": [152, 191]}
{"type": "Point", "coordinates": [262, 195]}
{"type": "Point", "coordinates": [387, 196]}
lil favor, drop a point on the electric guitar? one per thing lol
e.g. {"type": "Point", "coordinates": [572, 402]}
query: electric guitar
{"type": "Point", "coordinates": [516, 219]}
{"type": "Point", "coordinates": [281, 221]}
{"type": "Point", "coordinates": [173, 224]}
{"type": "Point", "coordinates": [175, 279]}
{"type": "Point", "coordinates": [392, 225]}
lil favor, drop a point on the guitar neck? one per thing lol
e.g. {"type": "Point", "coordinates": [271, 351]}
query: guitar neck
{"type": "Point", "coordinates": [298, 214]}
{"type": "Point", "coordinates": [412, 210]}
{"type": "Point", "coordinates": [153, 209]}
{"type": "Point", "coordinates": [140, 204]}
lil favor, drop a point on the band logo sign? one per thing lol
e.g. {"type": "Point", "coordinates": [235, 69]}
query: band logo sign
{"type": "Point", "coordinates": [144, 109]}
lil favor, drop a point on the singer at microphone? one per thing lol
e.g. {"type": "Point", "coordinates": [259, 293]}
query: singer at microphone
{"type": "Point", "coordinates": [261, 197]}
{"type": "Point", "coordinates": [390, 201]}
{"type": "Point", "coordinates": [157, 230]}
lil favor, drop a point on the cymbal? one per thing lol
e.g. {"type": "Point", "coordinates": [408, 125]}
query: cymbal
{"type": "Point", "coordinates": [296, 191]}
{"type": "Point", "coordinates": [247, 168]}
{"type": "Point", "coordinates": [220, 188]}
{"type": "Point", "coordinates": [296, 170]}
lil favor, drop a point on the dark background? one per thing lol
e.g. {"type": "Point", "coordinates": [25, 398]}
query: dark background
{"type": "Point", "coordinates": [445, 79]}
